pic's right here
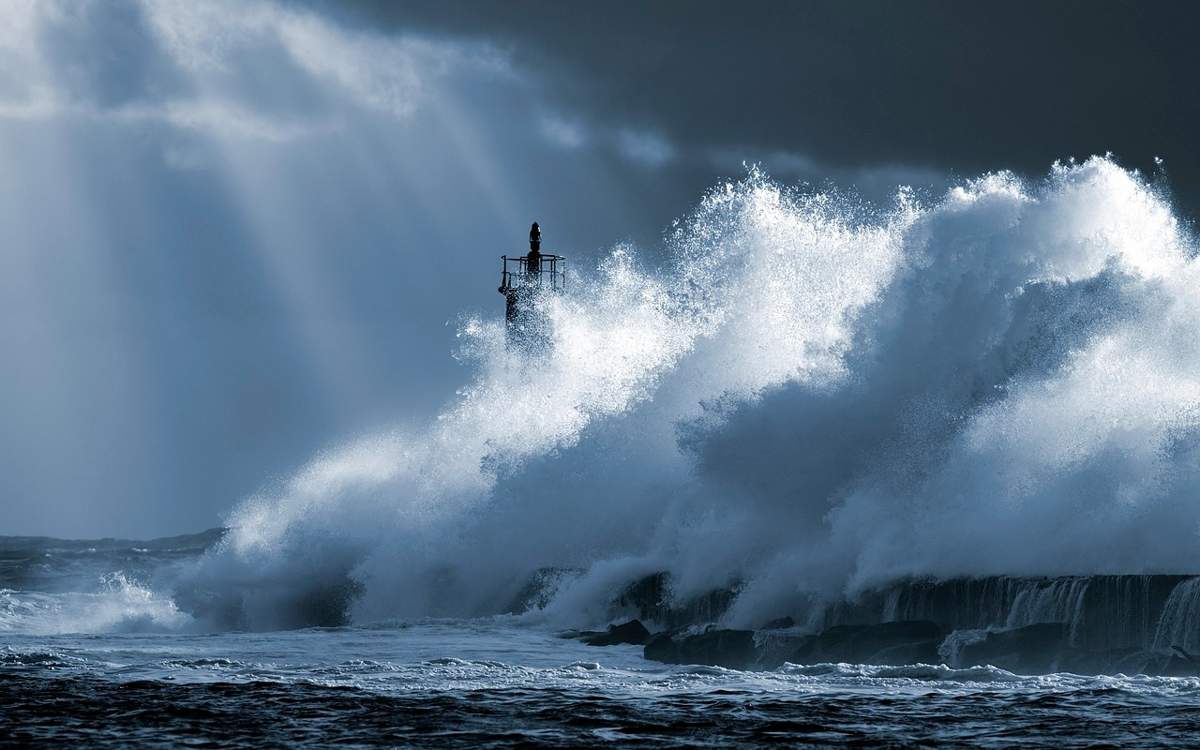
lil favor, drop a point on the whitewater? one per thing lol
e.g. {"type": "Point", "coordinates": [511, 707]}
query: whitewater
{"type": "Point", "coordinates": [801, 401]}
{"type": "Point", "coordinates": [806, 394]}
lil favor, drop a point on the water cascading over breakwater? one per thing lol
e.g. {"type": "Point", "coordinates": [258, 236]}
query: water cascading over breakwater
{"type": "Point", "coordinates": [1101, 612]}
{"type": "Point", "coordinates": [810, 397]}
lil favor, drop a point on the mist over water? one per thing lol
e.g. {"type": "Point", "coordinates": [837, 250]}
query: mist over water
{"type": "Point", "coordinates": [811, 396]}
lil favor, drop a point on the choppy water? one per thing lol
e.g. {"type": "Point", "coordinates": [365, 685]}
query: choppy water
{"type": "Point", "coordinates": [90, 656]}
{"type": "Point", "coordinates": [500, 683]}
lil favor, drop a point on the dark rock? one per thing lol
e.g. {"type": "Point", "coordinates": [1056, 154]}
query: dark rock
{"type": "Point", "coordinates": [1183, 653]}
{"type": "Point", "coordinates": [1033, 649]}
{"type": "Point", "coordinates": [919, 652]}
{"type": "Point", "coordinates": [1160, 663]}
{"type": "Point", "coordinates": [650, 597]}
{"type": "Point", "coordinates": [863, 644]}
{"type": "Point", "coordinates": [775, 647]}
{"type": "Point", "coordinates": [891, 643]}
{"type": "Point", "coordinates": [733, 649]}
{"type": "Point", "coordinates": [1079, 661]}
{"type": "Point", "coordinates": [1083, 624]}
{"type": "Point", "coordinates": [1106, 612]}
{"type": "Point", "coordinates": [580, 635]}
{"type": "Point", "coordinates": [708, 607]}
{"type": "Point", "coordinates": [633, 632]}
{"type": "Point", "coordinates": [541, 587]}
{"type": "Point", "coordinates": [647, 596]}
{"type": "Point", "coordinates": [1173, 665]}
{"type": "Point", "coordinates": [662, 647]}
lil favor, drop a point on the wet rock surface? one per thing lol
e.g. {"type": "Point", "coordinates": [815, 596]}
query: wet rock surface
{"type": "Point", "coordinates": [1040, 648]}
{"type": "Point", "coordinates": [718, 647]}
{"type": "Point", "coordinates": [1109, 624]}
{"type": "Point", "coordinates": [652, 600]}
{"type": "Point", "coordinates": [893, 643]}
{"type": "Point", "coordinates": [868, 644]}
{"type": "Point", "coordinates": [1030, 649]}
{"type": "Point", "coordinates": [632, 632]}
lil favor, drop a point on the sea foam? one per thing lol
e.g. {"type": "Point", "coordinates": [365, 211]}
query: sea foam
{"type": "Point", "coordinates": [808, 395]}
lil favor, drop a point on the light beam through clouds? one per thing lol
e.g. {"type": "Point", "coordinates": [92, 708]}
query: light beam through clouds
{"type": "Point", "coordinates": [334, 190]}
{"type": "Point", "coordinates": [265, 225]}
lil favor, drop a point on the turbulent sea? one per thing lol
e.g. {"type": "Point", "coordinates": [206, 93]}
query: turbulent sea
{"type": "Point", "coordinates": [968, 418]}
{"type": "Point", "coordinates": [800, 402]}
{"type": "Point", "coordinates": [91, 657]}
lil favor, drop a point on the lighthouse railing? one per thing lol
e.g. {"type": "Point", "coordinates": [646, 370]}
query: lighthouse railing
{"type": "Point", "coordinates": [550, 274]}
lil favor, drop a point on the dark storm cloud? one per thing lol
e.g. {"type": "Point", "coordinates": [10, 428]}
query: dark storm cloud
{"type": "Point", "coordinates": [954, 86]}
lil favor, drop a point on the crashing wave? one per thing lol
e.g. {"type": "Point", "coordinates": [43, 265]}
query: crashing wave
{"type": "Point", "coordinates": [809, 396]}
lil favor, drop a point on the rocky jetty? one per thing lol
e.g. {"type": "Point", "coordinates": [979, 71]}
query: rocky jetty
{"type": "Point", "coordinates": [1085, 624]}
{"type": "Point", "coordinates": [1146, 624]}
{"type": "Point", "coordinates": [892, 643]}
{"type": "Point", "coordinates": [735, 649]}
{"type": "Point", "coordinates": [1104, 612]}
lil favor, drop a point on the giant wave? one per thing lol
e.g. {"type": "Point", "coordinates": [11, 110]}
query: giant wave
{"type": "Point", "coordinates": [809, 397]}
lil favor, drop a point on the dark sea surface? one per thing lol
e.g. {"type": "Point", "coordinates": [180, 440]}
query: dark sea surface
{"type": "Point", "coordinates": [91, 655]}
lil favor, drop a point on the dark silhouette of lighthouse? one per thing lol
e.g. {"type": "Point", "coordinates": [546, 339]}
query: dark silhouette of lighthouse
{"type": "Point", "coordinates": [524, 280]}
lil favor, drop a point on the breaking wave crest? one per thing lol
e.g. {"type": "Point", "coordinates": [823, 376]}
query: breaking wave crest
{"type": "Point", "coordinates": [118, 606]}
{"type": "Point", "coordinates": [809, 396]}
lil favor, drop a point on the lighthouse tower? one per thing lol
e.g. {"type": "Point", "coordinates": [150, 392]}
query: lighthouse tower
{"type": "Point", "coordinates": [524, 280]}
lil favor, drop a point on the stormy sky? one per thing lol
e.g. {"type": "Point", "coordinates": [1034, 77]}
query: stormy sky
{"type": "Point", "coordinates": [237, 233]}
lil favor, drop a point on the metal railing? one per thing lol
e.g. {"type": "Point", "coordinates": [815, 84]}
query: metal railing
{"type": "Point", "coordinates": [550, 272]}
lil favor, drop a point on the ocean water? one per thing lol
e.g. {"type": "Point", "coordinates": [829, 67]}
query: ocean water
{"type": "Point", "coordinates": [497, 683]}
{"type": "Point", "coordinates": [91, 657]}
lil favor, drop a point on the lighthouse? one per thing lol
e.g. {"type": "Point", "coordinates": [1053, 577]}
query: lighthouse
{"type": "Point", "coordinates": [524, 281]}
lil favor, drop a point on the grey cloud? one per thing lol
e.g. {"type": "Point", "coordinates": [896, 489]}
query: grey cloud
{"type": "Point", "coordinates": [249, 69]}
{"type": "Point", "coordinates": [644, 147]}
{"type": "Point", "coordinates": [104, 53]}
{"type": "Point", "coordinates": [945, 86]}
